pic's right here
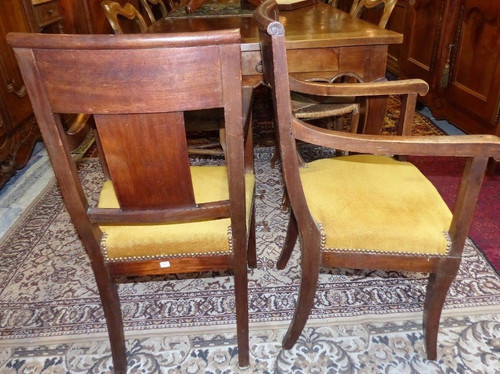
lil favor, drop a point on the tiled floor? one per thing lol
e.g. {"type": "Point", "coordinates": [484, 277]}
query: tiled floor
{"type": "Point", "coordinates": [29, 182]}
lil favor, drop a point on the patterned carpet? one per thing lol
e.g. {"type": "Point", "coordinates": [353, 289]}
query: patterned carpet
{"type": "Point", "coordinates": [445, 173]}
{"type": "Point", "coordinates": [364, 321]}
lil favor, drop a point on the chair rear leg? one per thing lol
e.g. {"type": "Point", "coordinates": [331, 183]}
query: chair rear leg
{"type": "Point", "coordinates": [308, 283]}
{"type": "Point", "coordinates": [437, 289]}
{"type": "Point", "coordinates": [241, 297]}
{"type": "Point", "coordinates": [290, 240]}
{"type": "Point", "coordinates": [108, 292]}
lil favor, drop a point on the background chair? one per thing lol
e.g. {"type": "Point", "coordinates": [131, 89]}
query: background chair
{"type": "Point", "coordinates": [156, 8]}
{"type": "Point", "coordinates": [156, 213]}
{"type": "Point", "coordinates": [358, 6]}
{"type": "Point", "coordinates": [115, 14]}
{"type": "Point", "coordinates": [311, 108]}
{"type": "Point", "coordinates": [368, 211]}
{"type": "Point", "coordinates": [308, 108]}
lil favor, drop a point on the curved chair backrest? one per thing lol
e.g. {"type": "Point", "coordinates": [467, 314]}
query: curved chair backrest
{"type": "Point", "coordinates": [359, 5]}
{"type": "Point", "coordinates": [147, 5]}
{"type": "Point", "coordinates": [114, 11]}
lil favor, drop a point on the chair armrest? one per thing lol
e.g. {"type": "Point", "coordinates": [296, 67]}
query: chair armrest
{"type": "Point", "coordinates": [458, 145]}
{"type": "Point", "coordinates": [400, 87]}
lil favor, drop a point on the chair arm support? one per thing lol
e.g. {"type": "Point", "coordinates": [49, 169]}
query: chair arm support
{"type": "Point", "coordinates": [401, 87]}
{"type": "Point", "coordinates": [458, 145]}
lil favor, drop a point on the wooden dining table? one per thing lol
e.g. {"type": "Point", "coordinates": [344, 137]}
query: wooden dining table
{"type": "Point", "coordinates": [321, 42]}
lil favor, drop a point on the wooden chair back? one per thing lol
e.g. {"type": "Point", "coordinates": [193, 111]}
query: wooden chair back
{"type": "Point", "coordinates": [138, 105]}
{"type": "Point", "coordinates": [358, 6]}
{"type": "Point", "coordinates": [150, 6]}
{"type": "Point", "coordinates": [115, 13]}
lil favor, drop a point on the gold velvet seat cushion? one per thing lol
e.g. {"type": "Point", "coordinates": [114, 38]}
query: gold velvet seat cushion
{"type": "Point", "coordinates": [159, 240]}
{"type": "Point", "coordinates": [375, 203]}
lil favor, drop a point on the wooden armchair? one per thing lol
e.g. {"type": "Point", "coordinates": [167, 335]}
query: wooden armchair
{"type": "Point", "coordinates": [310, 108]}
{"type": "Point", "coordinates": [115, 12]}
{"type": "Point", "coordinates": [368, 211]}
{"type": "Point", "coordinates": [358, 6]}
{"type": "Point", "coordinates": [156, 213]}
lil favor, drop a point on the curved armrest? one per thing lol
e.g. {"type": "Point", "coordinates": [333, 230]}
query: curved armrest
{"type": "Point", "coordinates": [458, 145]}
{"type": "Point", "coordinates": [400, 87]}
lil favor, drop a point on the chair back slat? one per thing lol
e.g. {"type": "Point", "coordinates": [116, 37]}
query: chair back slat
{"type": "Point", "coordinates": [151, 7]}
{"type": "Point", "coordinates": [146, 174]}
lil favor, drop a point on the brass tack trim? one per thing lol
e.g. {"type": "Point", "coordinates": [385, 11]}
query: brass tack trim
{"type": "Point", "coordinates": [371, 251]}
{"type": "Point", "coordinates": [165, 256]}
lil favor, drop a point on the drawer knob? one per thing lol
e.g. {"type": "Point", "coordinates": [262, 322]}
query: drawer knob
{"type": "Point", "coordinates": [50, 11]}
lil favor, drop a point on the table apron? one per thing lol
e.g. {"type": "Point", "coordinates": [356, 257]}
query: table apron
{"type": "Point", "coordinates": [367, 61]}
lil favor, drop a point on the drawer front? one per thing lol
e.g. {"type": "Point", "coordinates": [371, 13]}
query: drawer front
{"type": "Point", "coordinates": [299, 60]}
{"type": "Point", "coordinates": [46, 13]}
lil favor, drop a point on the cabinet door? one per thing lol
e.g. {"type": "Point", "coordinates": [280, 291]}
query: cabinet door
{"type": "Point", "coordinates": [474, 83]}
{"type": "Point", "coordinates": [397, 22]}
{"type": "Point", "coordinates": [13, 93]}
{"type": "Point", "coordinates": [424, 23]}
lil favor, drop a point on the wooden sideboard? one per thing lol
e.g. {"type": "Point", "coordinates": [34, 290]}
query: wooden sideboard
{"type": "Point", "coordinates": [18, 130]}
{"type": "Point", "coordinates": [454, 45]}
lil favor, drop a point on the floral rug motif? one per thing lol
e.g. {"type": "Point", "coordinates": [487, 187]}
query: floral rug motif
{"type": "Point", "coordinates": [51, 315]}
{"type": "Point", "coordinates": [466, 345]}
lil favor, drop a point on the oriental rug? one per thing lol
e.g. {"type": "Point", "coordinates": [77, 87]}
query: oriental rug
{"type": "Point", "coordinates": [363, 321]}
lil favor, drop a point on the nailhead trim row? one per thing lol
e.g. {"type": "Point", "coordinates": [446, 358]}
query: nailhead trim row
{"type": "Point", "coordinates": [158, 257]}
{"type": "Point", "coordinates": [361, 250]}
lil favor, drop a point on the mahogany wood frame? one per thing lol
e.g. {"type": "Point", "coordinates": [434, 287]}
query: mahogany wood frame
{"type": "Point", "coordinates": [138, 115]}
{"type": "Point", "coordinates": [476, 148]}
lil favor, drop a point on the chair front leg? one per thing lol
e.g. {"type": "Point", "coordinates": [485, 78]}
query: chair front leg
{"type": "Point", "coordinates": [308, 283]}
{"type": "Point", "coordinates": [290, 240]}
{"type": "Point", "coordinates": [437, 288]}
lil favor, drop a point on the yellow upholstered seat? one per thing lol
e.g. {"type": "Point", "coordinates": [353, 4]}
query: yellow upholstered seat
{"type": "Point", "coordinates": [158, 240]}
{"type": "Point", "coordinates": [402, 213]}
